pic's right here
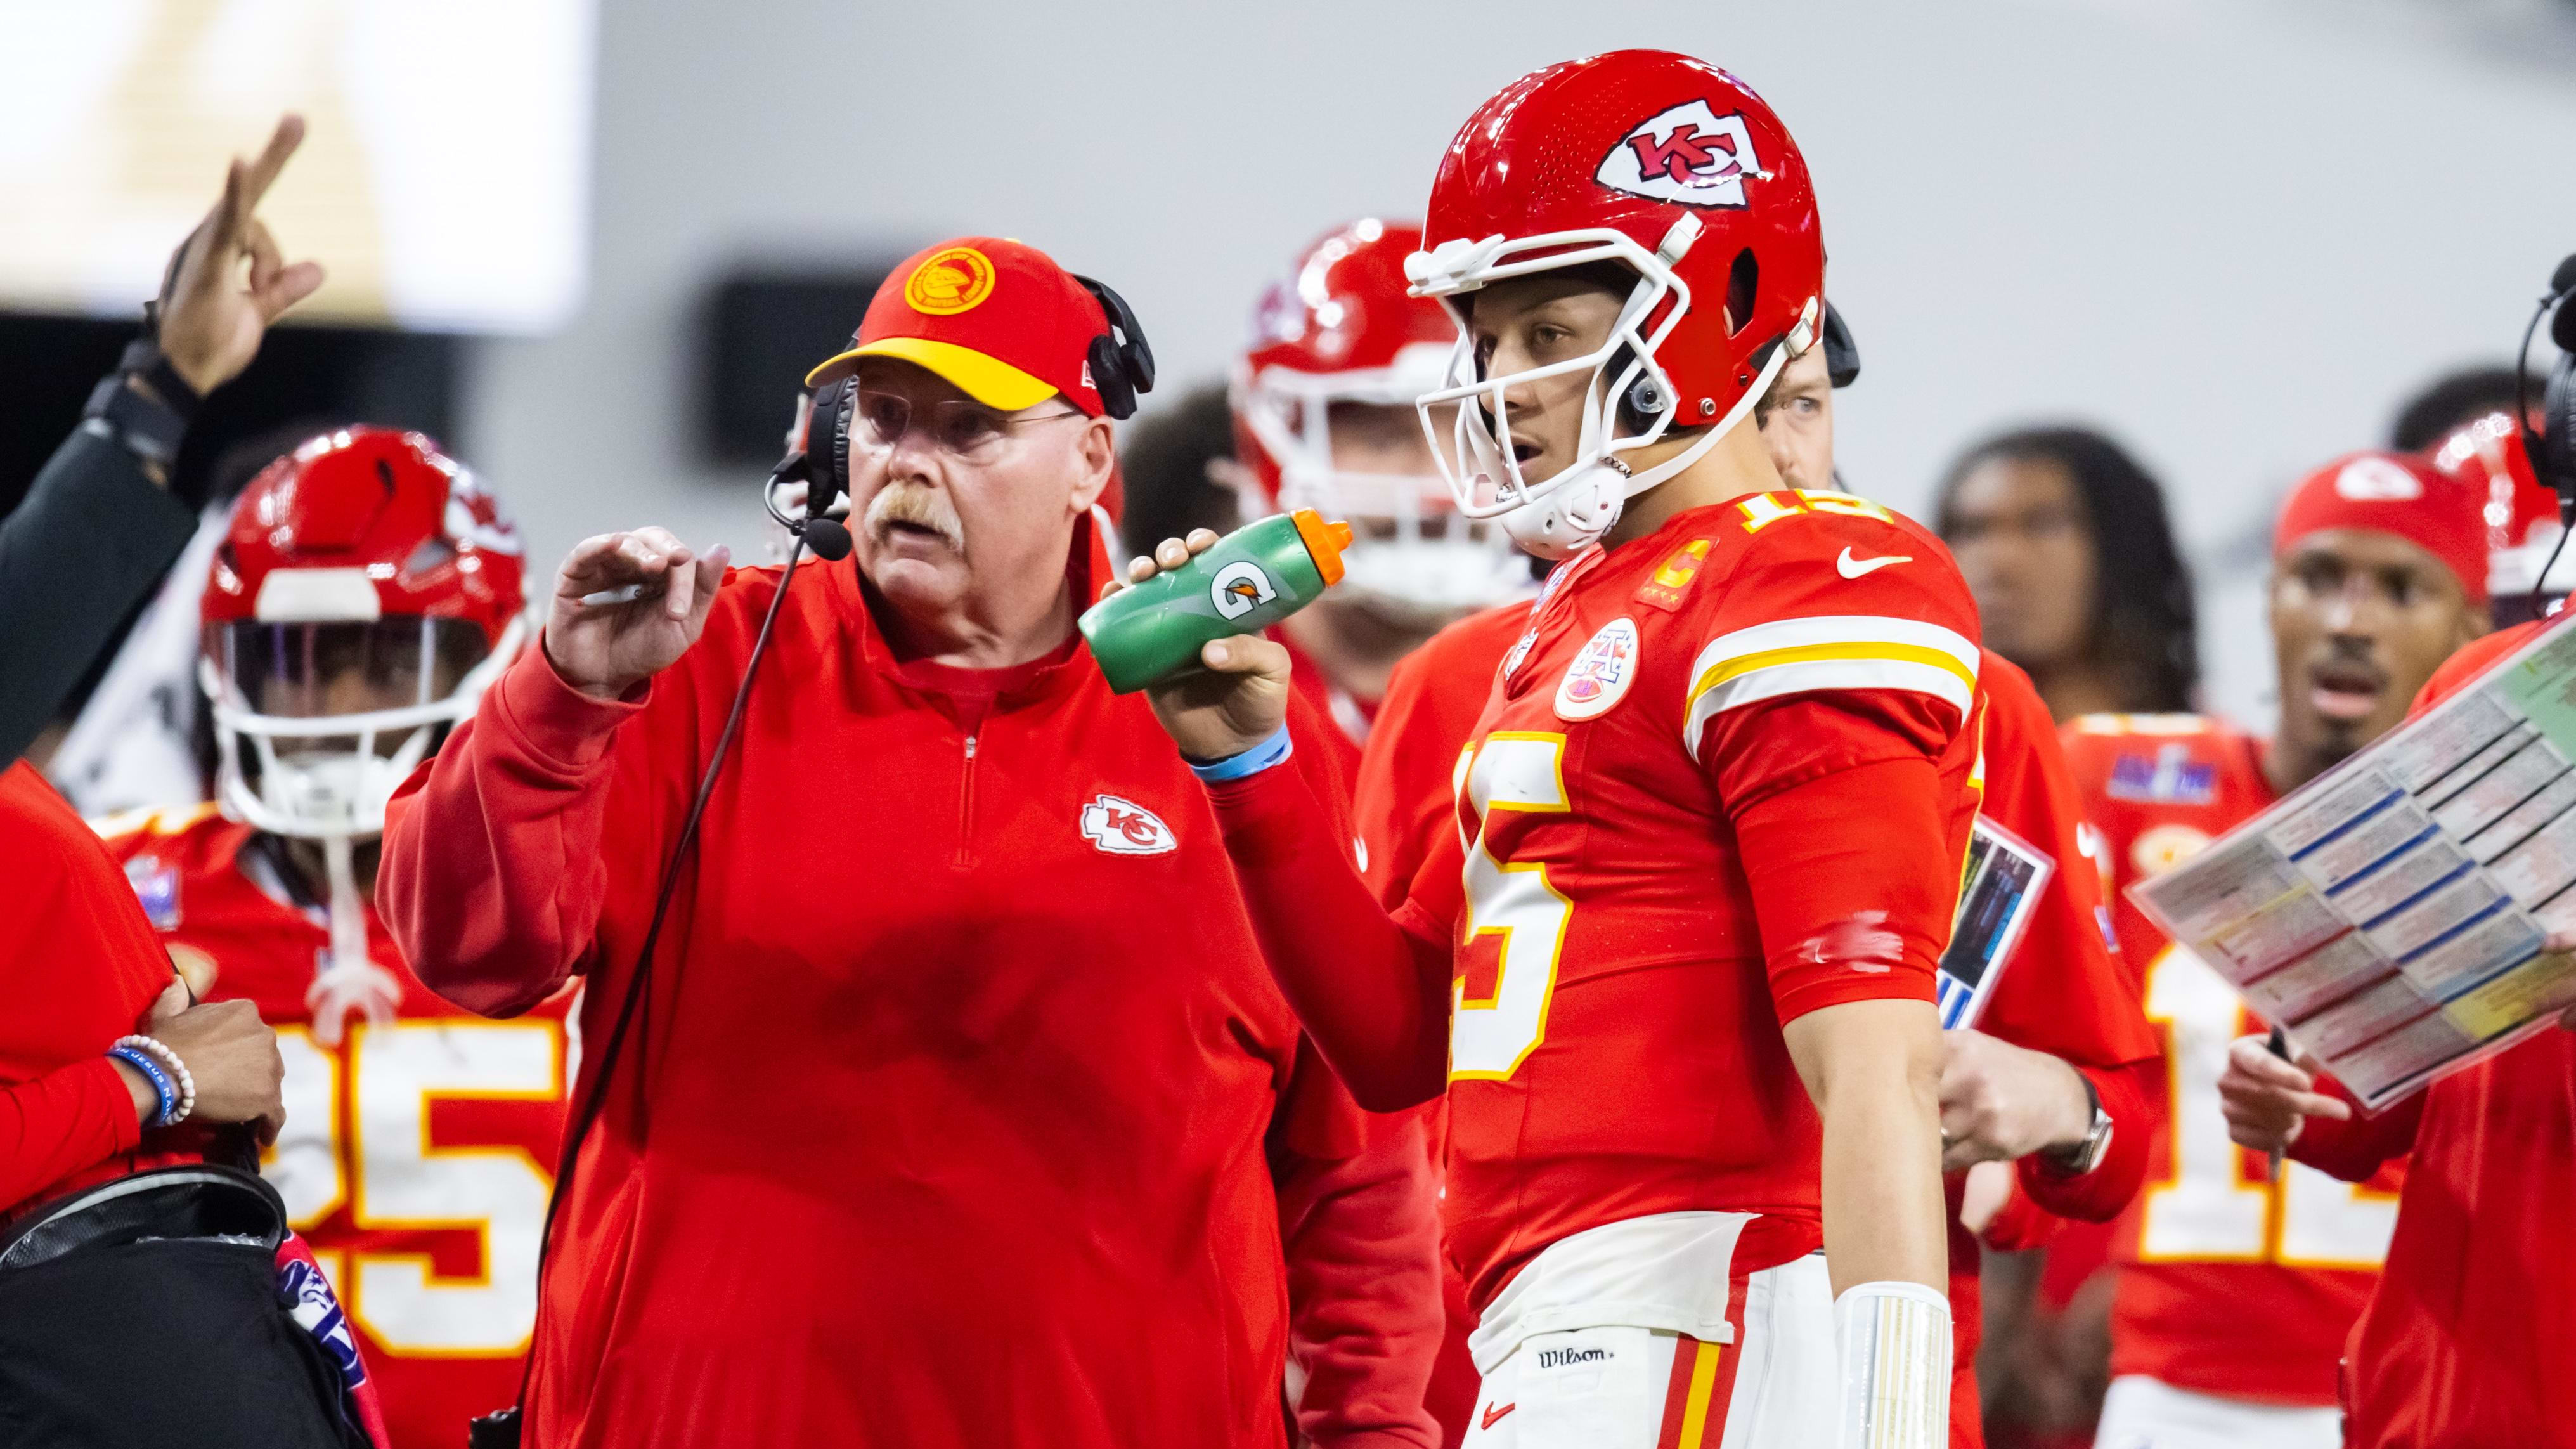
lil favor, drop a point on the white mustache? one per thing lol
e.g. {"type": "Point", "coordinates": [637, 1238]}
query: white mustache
{"type": "Point", "coordinates": [914, 504]}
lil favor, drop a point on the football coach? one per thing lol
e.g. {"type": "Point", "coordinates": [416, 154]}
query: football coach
{"type": "Point", "coordinates": [922, 1135]}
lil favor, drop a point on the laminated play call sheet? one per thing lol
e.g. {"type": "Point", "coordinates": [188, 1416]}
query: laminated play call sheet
{"type": "Point", "coordinates": [1998, 893]}
{"type": "Point", "coordinates": [2390, 914]}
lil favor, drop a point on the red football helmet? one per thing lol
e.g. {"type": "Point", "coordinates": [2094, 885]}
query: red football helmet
{"type": "Point", "coordinates": [1341, 329]}
{"type": "Point", "coordinates": [366, 590]}
{"type": "Point", "coordinates": [2522, 516]}
{"type": "Point", "coordinates": [1674, 168]}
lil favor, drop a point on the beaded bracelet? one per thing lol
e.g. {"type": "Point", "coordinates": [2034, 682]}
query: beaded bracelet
{"type": "Point", "coordinates": [178, 1070]}
{"type": "Point", "coordinates": [159, 1079]}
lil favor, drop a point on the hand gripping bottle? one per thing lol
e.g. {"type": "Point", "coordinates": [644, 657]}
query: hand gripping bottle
{"type": "Point", "coordinates": [1247, 581]}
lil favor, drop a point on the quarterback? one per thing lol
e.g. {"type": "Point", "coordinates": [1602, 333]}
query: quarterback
{"type": "Point", "coordinates": [1674, 969]}
{"type": "Point", "coordinates": [365, 593]}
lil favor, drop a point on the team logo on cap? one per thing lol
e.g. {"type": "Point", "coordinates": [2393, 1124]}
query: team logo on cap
{"type": "Point", "coordinates": [2376, 480]}
{"type": "Point", "coordinates": [1688, 154]}
{"type": "Point", "coordinates": [1241, 587]}
{"type": "Point", "coordinates": [951, 282]}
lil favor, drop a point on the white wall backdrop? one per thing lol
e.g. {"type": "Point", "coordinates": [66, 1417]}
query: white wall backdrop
{"type": "Point", "coordinates": [2234, 232]}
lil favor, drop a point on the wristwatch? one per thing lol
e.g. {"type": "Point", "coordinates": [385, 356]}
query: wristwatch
{"type": "Point", "coordinates": [2085, 1153]}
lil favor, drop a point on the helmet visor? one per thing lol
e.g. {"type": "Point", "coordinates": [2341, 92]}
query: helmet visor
{"type": "Point", "coordinates": [323, 670]}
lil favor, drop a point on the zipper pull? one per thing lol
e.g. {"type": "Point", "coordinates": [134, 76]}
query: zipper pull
{"type": "Point", "coordinates": [970, 747]}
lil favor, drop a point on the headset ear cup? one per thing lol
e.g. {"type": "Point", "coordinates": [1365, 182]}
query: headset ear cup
{"type": "Point", "coordinates": [2553, 453]}
{"type": "Point", "coordinates": [827, 433]}
{"type": "Point", "coordinates": [1109, 378]}
{"type": "Point", "coordinates": [1123, 352]}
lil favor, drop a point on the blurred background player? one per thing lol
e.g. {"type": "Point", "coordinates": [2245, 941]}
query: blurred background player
{"type": "Point", "coordinates": [2060, 1053]}
{"type": "Point", "coordinates": [2521, 516]}
{"type": "Point", "coordinates": [1178, 465]}
{"type": "Point", "coordinates": [2456, 399]}
{"type": "Point", "coordinates": [364, 594]}
{"type": "Point", "coordinates": [2235, 1293]}
{"type": "Point", "coordinates": [1324, 418]}
{"type": "Point", "coordinates": [2023, 513]}
{"type": "Point", "coordinates": [2099, 628]}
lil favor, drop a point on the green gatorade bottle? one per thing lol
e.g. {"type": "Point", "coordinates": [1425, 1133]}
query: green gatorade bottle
{"type": "Point", "coordinates": [1249, 580]}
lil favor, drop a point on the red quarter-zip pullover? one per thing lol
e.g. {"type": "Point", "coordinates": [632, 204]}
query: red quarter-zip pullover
{"type": "Point", "coordinates": [962, 1109]}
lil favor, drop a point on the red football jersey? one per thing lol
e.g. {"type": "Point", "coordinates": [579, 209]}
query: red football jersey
{"type": "Point", "coordinates": [2229, 1284]}
{"type": "Point", "coordinates": [417, 1156]}
{"type": "Point", "coordinates": [1615, 1045]}
{"type": "Point", "coordinates": [1405, 793]}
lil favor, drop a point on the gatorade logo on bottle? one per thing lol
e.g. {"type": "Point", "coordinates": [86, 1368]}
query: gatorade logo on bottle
{"type": "Point", "coordinates": [1241, 587]}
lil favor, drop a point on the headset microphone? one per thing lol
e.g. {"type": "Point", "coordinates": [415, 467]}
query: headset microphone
{"type": "Point", "coordinates": [827, 538]}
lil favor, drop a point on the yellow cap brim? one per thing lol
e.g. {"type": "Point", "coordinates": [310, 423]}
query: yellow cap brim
{"type": "Point", "coordinates": [993, 383]}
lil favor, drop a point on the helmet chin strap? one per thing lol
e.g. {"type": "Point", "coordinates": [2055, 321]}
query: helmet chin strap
{"type": "Point", "coordinates": [353, 981]}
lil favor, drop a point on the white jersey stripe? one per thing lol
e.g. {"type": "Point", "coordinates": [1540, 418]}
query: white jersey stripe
{"type": "Point", "coordinates": [1811, 675]}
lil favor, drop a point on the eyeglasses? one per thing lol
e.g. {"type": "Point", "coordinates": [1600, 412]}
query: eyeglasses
{"type": "Point", "coordinates": [965, 430]}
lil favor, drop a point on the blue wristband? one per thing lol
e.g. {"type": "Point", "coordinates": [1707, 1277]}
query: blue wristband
{"type": "Point", "coordinates": [160, 1080]}
{"type": "Point", "coordinates": [1251, 762]}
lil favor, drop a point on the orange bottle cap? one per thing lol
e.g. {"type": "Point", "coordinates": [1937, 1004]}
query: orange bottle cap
{"type": "Point", "coordinates": [1324, 542]}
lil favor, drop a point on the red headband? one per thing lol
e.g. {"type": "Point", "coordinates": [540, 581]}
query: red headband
{"type": "Point", "coordinates": [2398, 494]}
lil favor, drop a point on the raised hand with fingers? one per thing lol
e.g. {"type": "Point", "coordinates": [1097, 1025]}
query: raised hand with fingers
{"type": "Point", "coordinates": [659, 591]}
{"type": "Point", "coordinates": [213, 313]}
{"type": "Point", "coordinates": [1239, 698]}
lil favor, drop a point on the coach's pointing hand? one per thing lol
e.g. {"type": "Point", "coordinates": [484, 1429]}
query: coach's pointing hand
{"type": "Point", "coordinates": [606, 646]}
{"type": "Point", "coordinates": [1238, 698]}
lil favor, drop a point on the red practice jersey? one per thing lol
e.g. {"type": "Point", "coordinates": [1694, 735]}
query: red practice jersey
{"type": "Point", "coordinates": [417, 1155]}
{"type": "Point", "coordinates": [2229, 1284]}
{"type": "Point", "coordinates": [1405, 794]}
{"type": "Point", "coordinates": [1615, 1045]}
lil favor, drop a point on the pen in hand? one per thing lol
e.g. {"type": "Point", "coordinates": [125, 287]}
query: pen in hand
{"type": "Point", "coordinates": [2280, 1044]}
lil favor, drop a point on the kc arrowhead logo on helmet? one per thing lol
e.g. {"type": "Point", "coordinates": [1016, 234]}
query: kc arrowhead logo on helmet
{"type": "Point", "coordinates": [1688, 154]}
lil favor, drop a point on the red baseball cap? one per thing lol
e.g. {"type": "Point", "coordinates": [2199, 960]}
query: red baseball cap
{"type": "Point", "coordinates": [998, 318]}
{"type": "Point", "coordinates": [2399, 494]}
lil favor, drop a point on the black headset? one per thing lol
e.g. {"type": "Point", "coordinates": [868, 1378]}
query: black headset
{"type": "Point", "coordinates": [1120, 364]}
{"type": "Point", "coordinates": [2551, 447]}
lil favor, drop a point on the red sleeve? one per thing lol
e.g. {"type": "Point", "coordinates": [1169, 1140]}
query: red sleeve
{"type": "Point", "coordinates": [61, 1122]}
{"type": "Point", "coordinates": [2129, 1095]}
{"type": "Point", "coordinates": [2063, 992]}
{"type": "Point", "coordinates": [2354, 1149]}
{"type": "Point", "coordinates": [494, 876]}
{"type": "Point", "coordinates": [1826, 710]}
{"type": "Point", "coordinates": [1848, 885]}
{"type": "Point", "coordinates": [1359, 1226]}
{"type": "Point", "coordinates": [1374, 995]}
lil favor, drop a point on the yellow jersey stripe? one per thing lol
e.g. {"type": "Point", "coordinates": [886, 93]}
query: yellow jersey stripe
{"type": "Point", "coordinates": [1889, 650]}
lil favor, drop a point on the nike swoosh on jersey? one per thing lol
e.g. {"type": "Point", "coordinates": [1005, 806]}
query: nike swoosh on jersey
{"type": "Point", "coordinates": [1494, 1415]}
{"type": "Point", "coordinates": [1852, 568]}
